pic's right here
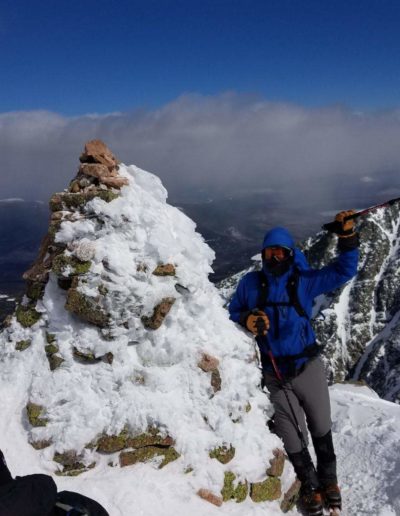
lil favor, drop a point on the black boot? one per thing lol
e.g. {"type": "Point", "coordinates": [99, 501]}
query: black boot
{"type": "Point", "coordinates": [326, 469]}
{"type": "Point", "coordinates": [310, 498]}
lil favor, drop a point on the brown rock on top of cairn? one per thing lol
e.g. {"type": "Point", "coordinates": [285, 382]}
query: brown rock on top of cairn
{"type": "Point", "coordinates": [100, 163]}
{"type": "Point", "coordinates": [97, 151]}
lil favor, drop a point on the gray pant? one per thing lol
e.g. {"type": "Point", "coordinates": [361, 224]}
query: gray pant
{"type": "Point", "coordinates": [309, 397]}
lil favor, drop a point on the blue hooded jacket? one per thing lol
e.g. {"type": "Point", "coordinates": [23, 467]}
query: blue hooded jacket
{"type": "Point", "coordinates": [295, 331]}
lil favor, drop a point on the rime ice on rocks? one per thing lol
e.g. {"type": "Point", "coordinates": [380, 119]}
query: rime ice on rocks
{"type": "Point", "coordinates": [122, 346]}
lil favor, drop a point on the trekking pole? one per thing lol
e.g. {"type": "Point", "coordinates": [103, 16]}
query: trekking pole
{"type": "Point", "coordinates": [260, 325]}
{"type": "Point", "coordinates": [336, 226]}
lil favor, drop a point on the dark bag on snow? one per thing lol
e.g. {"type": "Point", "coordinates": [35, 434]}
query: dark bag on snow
{"type": "Point", "coordinates": [31, 495]}
{"type": "Point", "coordinates": [75, 504]}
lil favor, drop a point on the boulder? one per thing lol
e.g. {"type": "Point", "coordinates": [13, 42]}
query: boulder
{"type": "Point", "coordinates": [147, 453]}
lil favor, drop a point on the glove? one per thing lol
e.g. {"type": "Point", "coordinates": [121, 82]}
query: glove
{"type": "Point", "coordinates": [344, 229]}
{"type": "Point", "coordinates": [258, 323]}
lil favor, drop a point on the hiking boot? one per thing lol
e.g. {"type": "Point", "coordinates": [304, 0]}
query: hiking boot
{"type": "Point", "coordinates": [310, 502]}
{"type": "Point", "coordinates": [331, 495]}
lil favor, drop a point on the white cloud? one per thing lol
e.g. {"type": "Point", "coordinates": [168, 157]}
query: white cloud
{"type": "Point", "coordinates": [221, 144]}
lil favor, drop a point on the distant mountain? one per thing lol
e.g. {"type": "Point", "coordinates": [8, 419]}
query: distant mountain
{"type": "Point", "coordinates": [359, 324]}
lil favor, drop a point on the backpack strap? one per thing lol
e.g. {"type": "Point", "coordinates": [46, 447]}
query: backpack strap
{"type": "Point", "coordinates": [291, 288]}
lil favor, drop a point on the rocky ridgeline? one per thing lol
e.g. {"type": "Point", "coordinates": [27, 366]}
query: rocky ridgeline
{"type": "Point", "coordinates": [109, 326]}
{"type": "Point", "coordinates": [359, 323]}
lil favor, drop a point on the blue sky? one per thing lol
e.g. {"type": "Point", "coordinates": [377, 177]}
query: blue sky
{"type": "Point", "coordinates": [75, 57]}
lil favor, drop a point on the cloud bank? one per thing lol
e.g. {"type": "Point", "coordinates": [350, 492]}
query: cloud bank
{"type": "Point", "coordinates": [220, 145]}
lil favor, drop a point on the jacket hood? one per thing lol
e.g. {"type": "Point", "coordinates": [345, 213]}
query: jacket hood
{"type": "Point", "coordinates": [278, 237]}
{"type": "Point", "coordinates": [281, 236]}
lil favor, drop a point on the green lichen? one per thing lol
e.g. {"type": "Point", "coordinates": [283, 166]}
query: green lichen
{"type": "Point", "coordinates": [54, 361]}
{"type": "Point", "coordinates": [85, 357]}
{"type": "Point", "coordinates": [50, 338]}
{"type": "Point", "coordinates": [69, 265]}
{"type": "Point", "coordinates": [107, 195]}
{"type": "Point", "coordinates": [34, 412]}
{"type": "Point", "coordinates": [86, 308]}
{"type": "Point", "coordinates": [35, 290]}
{"type": "Point", "coordinates": [112, 443]}
{"type": "Point", "coordinates": [268, 490]}
{"type": "Point", "coordinates": [170, 454]}
{"type": "Point", "coordinates": [27, 316]}
{"type": "Point", "coordinates": [41, 445]}
{"type": "Point", "coordinates": [223, 454]}
{"type": "Point", "coordinates": [146, 454]}
{"type": "Point", "coordinates": [22, 345]}
{"type": "Point", "coordinates": [103, 290]}
{"type": "Point", "coordinates": [51, 349]}
{"type": "Point", "coordinates": [149, 438]}
{"type": "Point", "coordinates": [232, 492]}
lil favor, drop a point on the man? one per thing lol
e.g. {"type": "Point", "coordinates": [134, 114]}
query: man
{"type": "Point", "coordinates": [275, 304]}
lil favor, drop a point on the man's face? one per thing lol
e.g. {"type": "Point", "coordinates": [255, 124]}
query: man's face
{"type": "Point", "coordinates": [277, 254]}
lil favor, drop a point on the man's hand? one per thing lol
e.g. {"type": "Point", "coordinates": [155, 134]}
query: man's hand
{"type": "Point", "coordinates": [346, 226]}
{"type": "Point", "coordinates": [258, 323]}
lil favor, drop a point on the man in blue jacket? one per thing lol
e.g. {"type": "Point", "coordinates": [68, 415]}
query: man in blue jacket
{"type": "Point", "coordinates": [275, 304]}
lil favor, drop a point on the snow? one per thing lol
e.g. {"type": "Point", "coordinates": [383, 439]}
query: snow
{"type": "Point", "coordinates": [83, 401]}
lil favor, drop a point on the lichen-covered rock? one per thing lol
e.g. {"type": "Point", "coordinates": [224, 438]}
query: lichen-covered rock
{"type": "Point", "coordinates": [150, 438]}
{"type": "Point", "coordinates": [208, 363]}
{"type": "Point", "coordinates": [223, 454]}
{"type": "Point", "coordinates": [54, 361]}
{"type": "Point", "coordinates": [87, 308]}
{"type": "Point", "coordinates": [112, 443]}
{"type": "Point", "coordinates": [40, 445]}
{"type": "Point", "coordinates": [27, 316]}
{"type": "Point", "coordinates": [268, 490]}
{"type": "Point", "coordinates": [210, 497]}
{"type": "Point", "coordinates": [291, 496]}
{"type": "Point", "coordinates": [167, 269]}
{"type": "Point", "coordinates": [72, 463]}
{"type": "Point", "coordinates": [216, 381]}
{"type": "Point", "coordinates": [34, 413]}
{"type": "Point", "coordinates": [277, 463]}
{"type": "Point", "coordinates": [67, 265]}
{"type": "Point", "coordinates": [76, 201]}
{"type": "Point", "coordinates": [147, 453]}
{"type": "Point", "coordinates": [22, 345]}
{"type": "Point", "coordinates": [159, 313]}
{"type": "Point", "coordinates": [232, 492]}
{"type": "Point", "coordinates": [35, 290]}
{"type": "Point", "coordinates": [89, 358]}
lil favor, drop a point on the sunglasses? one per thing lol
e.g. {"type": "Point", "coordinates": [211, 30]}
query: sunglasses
{"type": "Point", "coordinates": [277, 253]}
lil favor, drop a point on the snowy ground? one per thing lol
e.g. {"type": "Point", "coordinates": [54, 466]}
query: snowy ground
{"type": "Point", "coordinates": [366, 433]}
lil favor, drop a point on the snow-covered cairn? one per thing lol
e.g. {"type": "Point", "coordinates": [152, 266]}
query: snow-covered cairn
{"type": "Point", "coordinates": [123, 350]}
